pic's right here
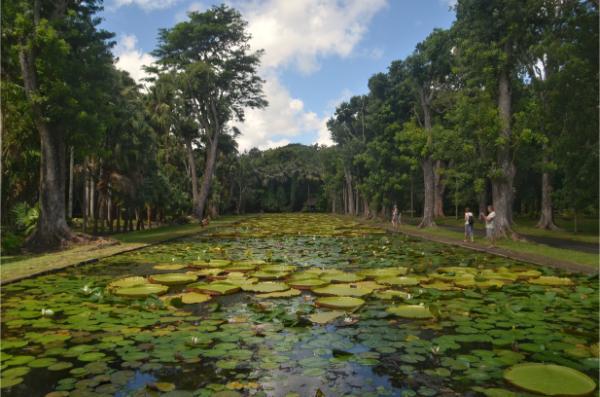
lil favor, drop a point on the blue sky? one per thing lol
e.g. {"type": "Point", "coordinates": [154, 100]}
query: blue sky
{"type": "Point", "coordinates": [317, 52]}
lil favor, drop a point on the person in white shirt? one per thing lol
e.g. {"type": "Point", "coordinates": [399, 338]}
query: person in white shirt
{"type": "Point", "coordinates": [490, 225]}
{"type": "Point", "coordinates": [469, 223]}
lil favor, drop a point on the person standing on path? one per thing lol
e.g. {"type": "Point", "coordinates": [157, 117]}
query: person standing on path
{"type": "Point", "coordinates": [469, 223]}
{"type": "Point", "coordinates": [395, 217]}
{"type": "Point", "coordinates": [490, 225]}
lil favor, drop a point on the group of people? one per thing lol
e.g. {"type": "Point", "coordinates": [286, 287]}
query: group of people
{"type": "Point", "coordinates": [489, 220]}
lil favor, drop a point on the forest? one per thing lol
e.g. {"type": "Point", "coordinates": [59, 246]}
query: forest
{"type": "Point", "coordinates": [499, 109]}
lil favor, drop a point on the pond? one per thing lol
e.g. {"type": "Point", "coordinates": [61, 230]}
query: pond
{"type": "Point", "coordinates": [300, 305]}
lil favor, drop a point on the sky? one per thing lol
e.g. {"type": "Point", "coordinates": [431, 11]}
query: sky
{"type": "Point", "coordinates": [318, 53]}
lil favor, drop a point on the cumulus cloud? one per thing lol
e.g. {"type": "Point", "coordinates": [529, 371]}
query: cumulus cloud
{"type": "Point", "coordinates": [297, 35]}
{"type": "Point", "coordinates": [130, 58]}
{"type": "Point", "coordinates": [147, 5]}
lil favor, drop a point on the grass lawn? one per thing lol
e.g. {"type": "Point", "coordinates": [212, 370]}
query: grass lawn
{"type": "Point", "coordinates": [517, 246]}
{"type": "Point", "coordinates": [17, 267]}
{"type": "Point", "coordinates": [588, 228]}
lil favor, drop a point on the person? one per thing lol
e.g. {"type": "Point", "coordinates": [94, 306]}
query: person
{"type": "Point", "coordinates": [395, 217]}
{"type": "Point", "coordinates": [469, 221]}
{"type": "Point", "coordinates": [490, 225]}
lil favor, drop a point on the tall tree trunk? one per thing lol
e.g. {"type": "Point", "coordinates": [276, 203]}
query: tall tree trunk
{"type": "Point", "coordinates": [193, 176]}
{"type": "Point", "coordinates": [71, 164]}
{"type": "Point", "coordinates": [502, 184]}
{"type": "Point", "coordinates": [429, 193]}
{"type": "Point", "coordinates": [345, 199]}
{"type": "Point", "coordinates": [546, 217]}
{"type": "Point", "coordinates": [439, 188]}
{"type": "Point", "coordinates": [427, 165]}
{"type": "Point", "coordinates": [366, 210]}
{"type": "Point", "coordinates": [349, 192]}
{"type": "Point", "coordinates": [149, 215]}
{"type": "Point", "coordinates": [86, 195]}
{"type": "Point", "coordinates": [118, 216]}
{"type": "Point", "coordinates": [52, 230]}
{"type": "Point", "coordinates": [334, 203]}
{"type": "Point", "coordinates": [209, 167]}
{"type": "Point", "coordinates": [356, 204]}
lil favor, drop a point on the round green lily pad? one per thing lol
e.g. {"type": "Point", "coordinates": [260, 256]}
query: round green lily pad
{"type": "Point", "coordinates": [215, 288]}
{"type": "Point", "coordinates": [128, 282]}
{"type": "Point", "coordinates": [283, 294]}
{"type": "Point", "coordinates": [42, 362]}
{"type": "Point", "coordinates": [309, 283]}
{"type": "Point", "coordinates": [91, 356]}
{"type": "Point", "coordinates": [142, 291]}
{"type": "Point", "coordinates": [168, 266]}
{"type": "Point", "coordinates": [265, 287]}
{"type": "Point", "coordinates": [410, 311]}
{"type": "Point", "coordinates": [240, 267]}
{"type": "Point", "coordinates": [550, 379]}
{"type": "Point", "coordinates": [270, 275]}
{"type": "Point", "coordinates": [398, 280]}
{"type": "Point", "coordinates": [16, 372]}
{"type": "Point", "coordinates": [59, 366]}
{"type": "Point", "coordinates": [342, 290]}
{"type": "Point", "coordinates": [550, 280]}
{"type": "Point", "coordinates": [194, 297]}
{"type": "Point", "coordinates": [9, 382]}
{"type": "Point", "coordinates": [340, 302]}
{"type": "Point", "coordinates": [325, 317]}
{"type": "Point", "coordinates": [384, 272]}
{"type": "Point", "coordinates": [342, 277]}
{"type": "Point", "coordinates": [173, 278]}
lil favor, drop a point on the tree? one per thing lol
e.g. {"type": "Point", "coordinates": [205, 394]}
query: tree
{"type": "Point", "coordinates": [61, 57]}
{"type": "Point", "coordinates": [428, 70]}
{"type": "Point", "coordinates": [217, 76]}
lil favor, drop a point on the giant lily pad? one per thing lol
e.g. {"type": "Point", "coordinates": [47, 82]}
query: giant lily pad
{"type": "Point", "coordinates": [410, 311]}
{"type": "Point", "coordinates": [265, 287]}
{"type": "Point", "coordinates": [240, 267]}
{"type": "Point", "coordinates": [168, 266]}
{"type": "Point", "coordinates": [142, 291]}
{"type": "Point", "coordinates": [401, 280]}
{"type": "Point", "coordinates": [340, 302]}
{"type": "Point", "coordinates": [173, 278]}
{"type": "Point", "coordinates": [550, 280]}
{"type": "Point", "coordinates": [284, 294]}
{"type": "Point", "coordinates": [342, 277]}
{"type": "Point", "coordinates": [270, 275]}
{"type": "Point", "coordinates": [342, 290]}
{"type": "Point", "coordinates": [215, 288]}
{"type": "Point", "coordinates": [128, 282]}
{"type": "Point", "coordinates": [194, 297]}
{"type": "Point", "coordinates": [550, 379]}
{"type": "Point", "coordinates": [384, 272]}
{"type": "Point", "coordinates": [325, 317]}
{"type": "Point", "coordinates": [308, 283]}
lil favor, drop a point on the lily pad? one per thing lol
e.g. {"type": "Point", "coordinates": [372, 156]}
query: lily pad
{"type": "Point", "coordinates": [283, 294]}
{"type": "Point", "coordinates": [216, 288]}
{"type": "Point", "coordinates": [168, 266]}
{"type": "Point", "coordinates": [384, 272]}
{"type": "Point", "coordinates": [325, 317]}
{"type": "Point", "coordinates": [400, 280]}
{"type": "Point", "coordinates": [342, 277]}
{"type": "Point", "coordinates": [550, 280]}
{"type": "Point", "coordinates": [342, 290]}
{"type": "Point", "coordinates": [410, 311]}
{"type": "Point", "coordinates": [128, 282]}
{"type": "Point", "coordinates": [308, 283]}
{"type": "Point", "coordinates": [340, 302]}
{"type": "Point", "coordinates": [266, 287]}
{"type": "Point", "coordinates": [173, 278]}
{"type": "Point", "coordinates": [194, 297]}
{"type": "Point", "coordinates": [550, 379]}
{"type": "Point", "coordinates": [391, 294]}
{"type": "Point", "coordinates": [142, 291]}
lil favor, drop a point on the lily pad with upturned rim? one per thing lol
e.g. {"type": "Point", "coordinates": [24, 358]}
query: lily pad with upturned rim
{"type": "Point", "coordinates": [266, 287]}
{"type": "Point", "coordinates": [173, 278]}
{"type": "Point", "coordinates": [142, 291]}
{"type": "Point", "coordinates": [325, 317]}
{"type": "Point", "coordinates": [342, 290]}
{"type": "Point", "coordinates": [550, 379]}
{"type": "Point", "coordinates": [194, 297]}
{"type": "Point", "coordinates": [340, 302]}
{"type": "Point", "coordinates": [283, 294]}
{"type": "Point", "coordinates": [215, 288]}
{"type": "Point", "coordinates": [308, 283]}
{"type": "Point", "coordinates": [410, 311]}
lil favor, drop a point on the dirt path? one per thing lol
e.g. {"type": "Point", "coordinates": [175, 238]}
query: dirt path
{"type": "Point", "coordinates": [506, 253]}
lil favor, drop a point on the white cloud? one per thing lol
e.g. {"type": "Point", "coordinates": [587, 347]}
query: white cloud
{"type": "Point", "coordinates": [283, 119]}
{"type": "Point", "coordinates": [130, 58]}
{"type": "Point", "coordinates": [146, 5]}
{"type": "Point", "coordinates": [298, 34]}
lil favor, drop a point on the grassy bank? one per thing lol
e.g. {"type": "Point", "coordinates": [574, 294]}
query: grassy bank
{"type": "Point", "coordinates": [21, 266]}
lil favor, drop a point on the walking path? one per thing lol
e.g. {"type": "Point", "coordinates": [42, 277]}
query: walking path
{"type": "Point", "coordinates": [506, 253]}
